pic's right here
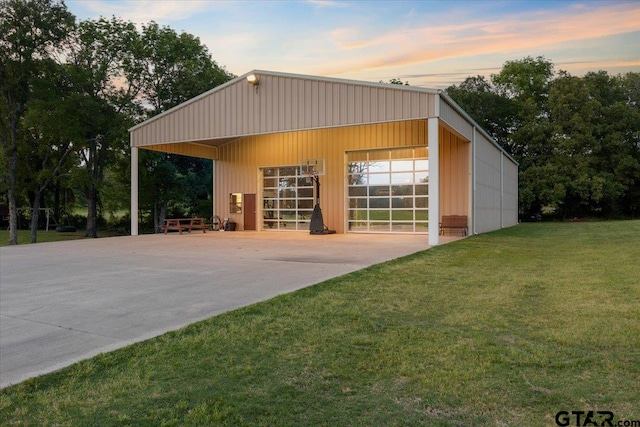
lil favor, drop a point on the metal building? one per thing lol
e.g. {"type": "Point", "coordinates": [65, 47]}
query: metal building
{"type": "Point", "coordinates": [396, 159]}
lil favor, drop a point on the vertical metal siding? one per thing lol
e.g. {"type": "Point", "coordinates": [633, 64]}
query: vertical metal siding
{"type": "Point", "coordinates": [237, 169]}
{"type": "Point", "coordinates": [281, 104]}
{"type": "Point", "coordinates": [510, 193]}
{"type": "Point", "coordinates": [455, 120]}
{"type": "Point", "coordinates": [454, 174]}
{"type": "Point", "coordinates": [287, 118]}
{"type": "Point", "coordinates": [488, 186]}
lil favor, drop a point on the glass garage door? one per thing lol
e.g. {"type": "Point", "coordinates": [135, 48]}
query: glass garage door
{"type": "Point", "coordinates": [287, 199]}
{"type": "Point", "coordinates": [388, 190]}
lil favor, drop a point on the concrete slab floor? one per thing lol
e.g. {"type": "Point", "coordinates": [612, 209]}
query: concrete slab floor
{"type": "Point", "coordinates": [66, 301]}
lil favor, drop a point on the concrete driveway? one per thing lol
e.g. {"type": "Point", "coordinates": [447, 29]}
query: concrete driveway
{"type": "Point", "coordinates": [67, 301]}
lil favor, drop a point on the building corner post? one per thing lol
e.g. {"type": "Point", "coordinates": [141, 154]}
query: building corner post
{"type": "Point", "coordinates": [474, 180]}
{"type": "Point", "coordinates": [213, 188]}
{"type": "Point", "coordinates": [501, 190]}
{"type": "Point", "coordinates": [134, 191]}
{"type": "Point", "coordinates": [433, 139]}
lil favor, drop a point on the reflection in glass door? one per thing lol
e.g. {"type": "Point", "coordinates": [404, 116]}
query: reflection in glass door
{"type": "Point", "coordinates": [287, 199]}
{"type": "Point", "coordinates": [388, 190]}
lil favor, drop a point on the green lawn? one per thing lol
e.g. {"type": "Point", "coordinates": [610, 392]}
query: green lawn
{"type": "Point", "coordinates": [502, 329]}
{"type": "Point", "coordinates": [24, 236]}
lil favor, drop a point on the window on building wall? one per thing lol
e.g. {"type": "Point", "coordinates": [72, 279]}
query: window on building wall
{"type": "Point", "coordinates": [388, 190]}
{"type": "Point", "coordinates": [235, 203]}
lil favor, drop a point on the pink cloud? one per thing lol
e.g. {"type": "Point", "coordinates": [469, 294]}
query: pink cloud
{"type": "Point", "coordinates": [144, 11]}
{"type": "Point", "coordinates": [512, 34]}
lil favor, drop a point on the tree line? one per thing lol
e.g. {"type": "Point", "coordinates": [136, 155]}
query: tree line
{"type": "Point", "coordinates": [70, 90]}
{"type": "Point", "coordinates": [577, 139]}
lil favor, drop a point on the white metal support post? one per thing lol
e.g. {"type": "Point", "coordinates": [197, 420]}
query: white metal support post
{"type": "Point", "coordinates": [474, 180]}
{"type": "Point", "coordinates": [134, 191]}
{"type": "Point", "coordinates": [433, 139]}
{"type": "Point", "coordinates": [213, 189]}
{"type": "Point", "coordinates": [501, 190]}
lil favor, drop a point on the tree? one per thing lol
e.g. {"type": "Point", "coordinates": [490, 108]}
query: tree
{"type": "Point", "coordinates": [29, 31]}
{"type": "Point", "coordinates": [526, 80]}
{"type": "Point", "coordinates": [173, 68]}
{"type": "Point", "coordinates": [173, 185]}
{"type": "Point", "coordinates": [494, 112]}
{"type": "Point", "coordinates": [576, 138]}
{"type": "Point", "coordinates": [630, 202]}
{"type": "Point", "coordinates": [47, 135]}
{"type": "Point", "coordinates": [511, 107]}
{"type": "Point", "coordinates": [589, 158]}
{"type": "Point", "coordinates": [65, 123]}
{"type": "Point", "coordinates": [102, 66]}
{"type": "Point", "coordinates": [396, 81]}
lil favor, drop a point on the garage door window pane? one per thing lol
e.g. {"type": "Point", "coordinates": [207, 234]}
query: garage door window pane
{"type": "Point", "coordinates": [422, 215]}
{"type": "Point", "coordinates": [394, 184]}
{"type": "Point", "coordinates": [357, 191]}
{"type": "Point", "coordinates": [422, 190]}
{"type": "Point", "coordinates": [401, 165]}
{"type": "Point", "coordinates": [402, 178]}
{"type": "Point", "coordinates": [358, 203]}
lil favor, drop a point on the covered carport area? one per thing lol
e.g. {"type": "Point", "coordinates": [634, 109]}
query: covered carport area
{"type": "Point", "coordinates": [66, 301]}
{"type": "Point", "coordinates": [268, 121]}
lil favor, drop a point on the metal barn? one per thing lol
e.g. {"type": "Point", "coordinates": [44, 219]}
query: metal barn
{"type": "Point", "coordinates": [395, 159]}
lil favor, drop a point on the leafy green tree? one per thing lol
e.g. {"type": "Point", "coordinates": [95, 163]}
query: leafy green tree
{"type": "Point", "coordinates": [173, 185]}
{"type": "Point", "coordinates": [495, 113]}
{"type": "Point", "coordinates": [100, 65]}
{"type": "Point", "coordinates": [525, 83]}
{"type": "Point", "coordinates": [397, 81]}
{"type": "Point", "coordinates": [587, 159]}
{"type": "Point", "coordinates": [576, 138]}
{"type": "Point", "coordinates": [29, 32]}
{"type": "Point", "coordinates": [48, 139]}
{"type": "Point", "coordinates": [630, 201]}
{"type": "Point", "coordinates": [615, 158]}
{"type": "Point", "coordinates": [158, 184]}
{"type": "Point", "coordinates": [65, 124]}
{"type": "Point", "coordinates": [174, 68]}
{"type": "Point", "coordinates": [526, 80]}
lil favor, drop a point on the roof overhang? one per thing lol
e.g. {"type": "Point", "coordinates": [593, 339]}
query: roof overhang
{"type": "Point", "coordinates": [285, 102]}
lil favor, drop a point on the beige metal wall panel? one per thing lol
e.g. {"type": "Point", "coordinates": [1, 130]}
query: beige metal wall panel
{"type": "Point", "coordinates": [454, 119]}
{"type": "Point", "coordinates": [237, 169]}
{"type": "Point", "coordinates": [283, 103]}
{"type": "Point", "coordinates": [186, 149]}
{"type": "Point", "coordinates": [510, 193]}
{"type": "Point", "coordinates": [454, 174]}
{"type": "Point", "coordinates": [488, 186]}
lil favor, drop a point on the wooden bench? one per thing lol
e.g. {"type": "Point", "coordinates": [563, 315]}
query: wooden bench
{"type": "Point", "coordinates": [184, 224]}
{"type": "Point", "coordinates": [454, 222]}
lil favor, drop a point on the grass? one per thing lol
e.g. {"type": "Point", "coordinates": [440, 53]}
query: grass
{"type": "Point", "coordinates": [24, 236]}
{"type": "Point", "coordinates": [506, 328]}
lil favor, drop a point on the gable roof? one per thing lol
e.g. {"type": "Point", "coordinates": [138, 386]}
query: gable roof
{"type": "Point", "coordinates": [282, 102]}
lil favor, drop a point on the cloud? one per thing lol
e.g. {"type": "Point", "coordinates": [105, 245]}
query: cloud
{"type": "Point", "coordinates": [431, 42]}
{"type": "Point", "coordinates": [327, 3]}
{"type": "Point", "coordinates": [144, 11]}
{"type": "Point", "coordinates": [511, 34]}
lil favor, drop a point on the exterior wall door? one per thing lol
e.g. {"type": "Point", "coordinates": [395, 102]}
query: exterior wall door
{"type": "Point", "coordinates": [249, 211]}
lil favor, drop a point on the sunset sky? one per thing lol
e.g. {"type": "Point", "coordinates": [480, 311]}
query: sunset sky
{"type": "Point", "coordinates": [427, 43]}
